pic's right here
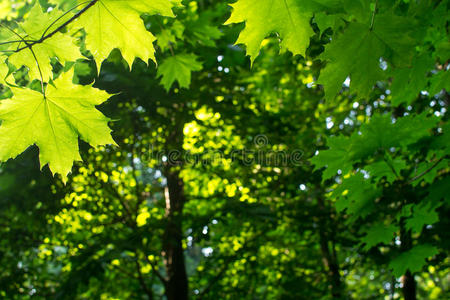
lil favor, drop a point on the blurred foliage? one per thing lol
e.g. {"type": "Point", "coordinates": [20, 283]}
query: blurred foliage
{"type": "Point", "coordinates": [284, 195]}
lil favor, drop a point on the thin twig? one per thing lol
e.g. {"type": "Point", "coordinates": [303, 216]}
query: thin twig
{"type": "Point", "coordinates": [74, 17]}
{"type": "Point", "coordinates": [34, 55]}
{"type": "Point", "coordinates": [427, 170]}
{"type": "Point", "coordinates": [13, 42]}
{"type": "Point", "coordinates": [61, 16]}
{"type": "Point", "coordinates": [144, 286]}
{"type": "Point", "coordinates": [157, 273]}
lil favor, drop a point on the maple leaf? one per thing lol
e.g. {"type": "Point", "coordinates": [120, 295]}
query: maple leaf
{"type": "Point", "coordinates": [178, 68]}
{"type": "Point", "coordinates": [359, 9]}
{"type": "Point", "coordinates": [53, 123]}
{"type": "Point", "coordinates": [383, 133]}
{"type": "Point", "coordinates": [439, 190]}
{"type": "Point", "coordinates": [289, 18]}
{"type": "Point", "coordinates": [409, 81]}
{"type": "Point", "coordinates": [439, 82]}
{"type": "Point", "coordinates": [380, 133]}
{"type": "Point", "coordinates": [4, 70]}
{"type": "Point", "coordinates": [389, 169]}
{"type": "Point", "coordinates": [37, 59]}
{"type": "Point", "coordinates": [203, 32]}
{"type": "Point", "coordinates": [357, 52]}
{"type": "Point", "coordinates": [164, 39]}
{"type": "Point", "coordinates": [378, 233]}
{"type": "Point", "coordinates": [64, 4]}
{"type": "Point", "coordinates": [336, 158]}
{"type": "Point", "coordinates": [111, 24]}
{"type": "Point", "coordinates": [430, 169]}
{"type": "Point", "coordinates": [400, 35]}
{"type": "Point", "coordinates": [423, 214]}
{"type": "Point", "coordinates": [325, 21]}
{"type": "Point", "coordinates": [412, 260]}
{"type": "Point", "coordinates": [356, 195]}
{"type": "Point", "coordinates": [169, 35]}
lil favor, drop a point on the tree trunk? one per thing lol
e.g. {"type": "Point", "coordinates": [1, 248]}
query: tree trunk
{"type": "Point", "coordinates": [329, 255]}
{"type": "Point", "coordinates": [409, 283]}
{"type": "Point", "coordinates": [409, 286]}
{"type": "Point", "coordinates": [177, 281]}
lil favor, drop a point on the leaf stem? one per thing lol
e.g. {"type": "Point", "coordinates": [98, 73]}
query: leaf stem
{"type": "Point", "coordinates": [372, 22]}
{"type": "Point", "coordinates": [12, 42]}
{"type": "Point", "coordinates": [34, 56]}
{"type": "Point", "coordinates": [388, 162]}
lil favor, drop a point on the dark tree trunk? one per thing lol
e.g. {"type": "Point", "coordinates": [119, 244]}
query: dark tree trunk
{"type": "Point", "coordinates": [409, 283]}
{"type": "Point", "coordinates": [329, 258]}
{"type": "Point", "coordinates": [177, 281]}
{"type": "Point", "coordinates": [409, 286]}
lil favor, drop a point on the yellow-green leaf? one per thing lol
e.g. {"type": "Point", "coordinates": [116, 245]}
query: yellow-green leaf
{"type": "Point", "coordinates": [178, 68]}
{"type": "Point", "coordinates": [111, 24]}
{"type": "Point", "coordinates": [289, 18]}
{"type": "Point", "coordinates": [53, 123]}
{"type": "Point", "coordinates": [37, 25]}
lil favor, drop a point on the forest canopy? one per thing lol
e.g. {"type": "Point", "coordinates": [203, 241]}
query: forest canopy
{"type": "Point", "coordinates": [201, 149]}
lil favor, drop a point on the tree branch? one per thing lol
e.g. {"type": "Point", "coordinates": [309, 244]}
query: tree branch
{"type": "Point", "coordinates": [52, 33]}
{"type": "Point", "coordinates": [34, 56]}
{"type": "Point", "coordinates": [157, 273]}
{"type": "Point", "coordinates": [427, 170]}
{"type": "Point", "coordinates": [144, 286]}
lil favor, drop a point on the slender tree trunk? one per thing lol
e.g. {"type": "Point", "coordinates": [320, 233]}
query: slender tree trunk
{"type": "Point", "coordinates": [177, 281]}
{"type": "Point", "coordinates": [409, 283]}
{"type": "Point", "coordinates": [409, 286]}
{"type": "Point", "coordinates": [328, 254]}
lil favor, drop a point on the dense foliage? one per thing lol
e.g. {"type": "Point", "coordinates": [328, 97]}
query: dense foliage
{"type": "Point", "coordinates": [256, 149]}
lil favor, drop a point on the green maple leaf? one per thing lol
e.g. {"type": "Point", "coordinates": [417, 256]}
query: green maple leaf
{"type": "Point", "coordinates": [335, 158]}
{"type": "Point", "coordinates": [430, 169]}
{"type": "Point", "coordinates": [356, 195]}
{"type": "Point", "coordinates": [378, 233]}
{"type": "Point", "coordinates": [400, 35]}
{"type": "Point", "coordinates": [382, 133]}
{"type": "Point", "coordinates": [53, 123]}
{"type": "Point", "coordinates": [409, 81]}
{"type": "Point", "coordinates": [111, 24]}
{"type": "Point", "coordinates": [439, 190]}
{"type": "Point", "coordinates": [357, 51]}
{"type": "Point", "coordinates": [37, 59]}
{"type": "Point", "coordinates": [4, 70]}
{"type": "Point", "coordinates": [289, 18]}
{"type": "Point", "coordinates": [412, 260]}
{"type": "Point", "coordinates": [359, 9]}
{"type": "Point", "coordinates": [443, 140]}
{"type": "Point", "coordinates": [356, 54]}
{"type": "Point", "coordinates": [439, 82]}
{"type": "Point", "coordinates": [382, 168]}
{"type": "Point", "coordinates": [202, 31]}
{"type": "Point", "coordinates": [170, 35]}
{"type": "Point", "coordinates": [165, 38]}
{"type": "Point", "coordinates": [379, 133]}
{"type": "Point", "coordinates": [423, 214]}
{"type": "Point", "coordinates": [410, 129]}
{"type": "Point", "coordinates": [325, 21]}
{"type": "Point", "coordinates": [64, 4]}
{"type": "Point", "coordinates": [178, 68]}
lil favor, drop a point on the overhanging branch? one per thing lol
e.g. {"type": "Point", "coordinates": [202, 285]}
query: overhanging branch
{"type": "Point", "coordinates": [52, 33]}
